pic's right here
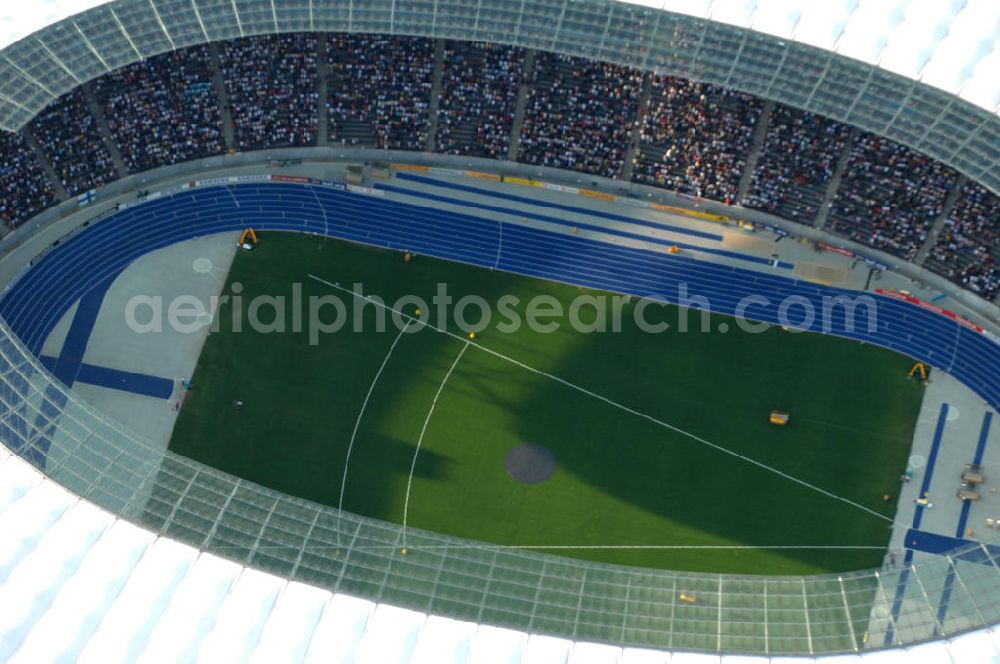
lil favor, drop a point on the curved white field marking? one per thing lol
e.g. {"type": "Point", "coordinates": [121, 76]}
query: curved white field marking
{"type": "Point", "coordinates": [453, 546]}
{"type": "Point", "coordinates": [357, 422]}
{"type": "Point", "coordinates": [423, 430]}
{"type": "Point", "coordinates": [623, 407]}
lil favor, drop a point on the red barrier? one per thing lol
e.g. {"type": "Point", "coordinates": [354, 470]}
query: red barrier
{"type": "Point", "coordinates": [927, 305]}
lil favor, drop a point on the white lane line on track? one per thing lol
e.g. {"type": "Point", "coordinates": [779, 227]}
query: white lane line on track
{"type": "Point", "coordinates": [233, 195]}
{"type": "Point", "coordinates": [496, 263]}
{"type": "Point", "coordinates": [623, 407]}
{"type": "Point", "coordinates": [322, 208]}
{"type": "Point", "coordinates": [423, 430]}
{"type": "Point", "coordinates": [357, 422]}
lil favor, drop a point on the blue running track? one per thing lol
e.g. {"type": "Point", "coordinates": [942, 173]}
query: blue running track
{"type": "Point", "coordinates": [39, 299]}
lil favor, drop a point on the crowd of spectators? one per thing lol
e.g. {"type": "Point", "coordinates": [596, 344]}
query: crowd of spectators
{"type": "Point", "coordinates": [968, 247]}
{"type": "Point", "coordinates": [272, 88]}
{"type": "Point", "coordinates": [24, 188]}
{"type": "Point", "coordinates": [479, 86]}
{"type": "Point", "coordinates": [580, 114]}
{"type": "Point", "coordinates": [696, 138]}
{"type": "Point", "coordinates": [163, 110]}
{"type": "Point", "coordinates": [797, 161]}
{"type": "Point", "coordinates": [379, 90]}
{"type": "Point", "coordinates": [889, 196]}
{"type": "Point", "coordinates": [68, 135]}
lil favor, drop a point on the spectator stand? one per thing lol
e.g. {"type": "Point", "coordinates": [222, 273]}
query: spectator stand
{"type": "Point", "coordinates": [889, 196]}
{"type": "Point", "coordinates": [163, 110]}
{"type": "Point", "coordinates": [379, 90]}
{"type": "Point", "coordinates": [796, 164]}
{"type": "Point", "coordinates": [271, 83]}
{"type": "Point", "coordinates": [68, 135]}
{"type": "Point", "coordinates": [26, 190]}
{"type": "Point", "coordinates": [580, 114]}
{"type": "Point", "coordinates": [696, 138]}
{"type": "Point", "coordinates": [967, 249]}
{"type": "Point", "coordinates": [479, 87]}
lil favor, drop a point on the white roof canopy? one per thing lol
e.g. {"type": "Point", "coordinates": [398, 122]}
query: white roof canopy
{"type": "Point", "coordinates": [78, 584]}
{"type": "Point", "coordinates": [953, 45]}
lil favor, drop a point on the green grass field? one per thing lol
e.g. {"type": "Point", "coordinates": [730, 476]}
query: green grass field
{"type": "Point", "coordinates": [622, 480]}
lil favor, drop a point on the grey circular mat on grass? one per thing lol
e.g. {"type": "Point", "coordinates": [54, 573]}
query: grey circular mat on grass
{"type": "Point", "coordinates": [529, 463]}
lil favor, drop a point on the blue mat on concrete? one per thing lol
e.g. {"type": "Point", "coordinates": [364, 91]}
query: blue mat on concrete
{"type": "Point", "coordinates": [124, 381]}
{"type": "Point", "coordinates": [925, 542]}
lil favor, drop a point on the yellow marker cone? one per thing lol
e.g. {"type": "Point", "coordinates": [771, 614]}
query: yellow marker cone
{"type": "Point", "coordinates": [472, 335]}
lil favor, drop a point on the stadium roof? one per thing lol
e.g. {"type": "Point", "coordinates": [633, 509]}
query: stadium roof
{"type": "Point", "coordinates": [79, 584]}
{"type": "Point", "coordinates": [953, 45]}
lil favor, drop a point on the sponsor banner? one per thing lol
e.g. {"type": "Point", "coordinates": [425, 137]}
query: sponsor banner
{"type": "Point", "coordinates": [694, 199]}
{"type": "Point", "coordinates": [483, 176]}
{"type": "Point", "coordinates": [520, 181]}
{"type": "Point", "coordinates": [635, 202]}
{"type": "Point", "coordinates": [551, 186]}
{"type": "Point", "coordinates": [667, 208]}
{"type": "Point", "coordinates": [931, 307]}
{"type": "Point", "coordinates": [330, 183]}
{"type": "Point", "coordinates": [772, 229]}
{"type": "Point", "coordinates": [596, 194]}
{"type": "Point", "coordinates": [852, 254]}
{"type": "Point", "coordinates": [825, 246]}
{"type": "Point", "coordinates": [874, 263]}
{"type": "Point", "coordinates": [444, 171]}
{"type": "Point", "coordinates": [365, 190]}
{"type": "Point", "coordinates": [162, 193]}
{"type": "Point", "coordinates": [709, 217]}
{"type": "Point", "coordinates": [410, 167]}
{"type": "Point", "coordinates": [232, 179]}
{"type": "Point", "coordinates": [175, 190]}
{"type": "Point", "coordinates": [704, 216]}
{"type": "Point", "coordinates": [298, 179]}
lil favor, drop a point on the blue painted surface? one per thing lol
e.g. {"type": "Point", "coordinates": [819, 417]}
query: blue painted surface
{"type": "Point", "coordinates": [575, 209]}
{"type": "Point", "coordinates": [40, 297]}
{"type": "Point", "coordinates": [926, 542]}
{"type": "Point", "coordinates": [897, 600]}
{"type": "Point", "coordinates": [116, 379]}
{"type": "Point", "coordinates": [925, 486]}
{"type": "Point", "coordinates": [66, 368]}
{"type": "Point", "coordinates": [942, 612]}
{"type": "Point", "coordinates": [984, 434]}
{"type": "Point", "coordinates": [569, 223]}
{"type": "Point", "coordinates": [963, 518]}
{"type": "Point", "coordinates": [70, 359]}
{"type": "Point", "coordinates": [914, 539]}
